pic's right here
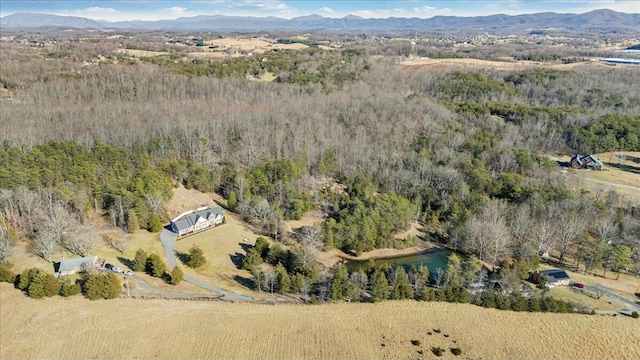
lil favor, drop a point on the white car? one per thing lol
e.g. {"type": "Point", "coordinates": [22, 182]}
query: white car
{"type": "Point", "coordinates": [116, 269]}
{"type": "Point", "coordinates": [128, 272]}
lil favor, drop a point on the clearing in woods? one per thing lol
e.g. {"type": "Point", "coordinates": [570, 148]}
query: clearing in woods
{"type": "Point", "coordinates": [126, 328]}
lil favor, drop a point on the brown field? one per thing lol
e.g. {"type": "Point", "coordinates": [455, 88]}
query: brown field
{"type": "Point", "coordinates": [255, 45]}
{"type": "Point", "coordinates": [140, 53]}
{"type": "Point", "coordinates": [126, 328]}
{"type": "Point", "coordinates": [489, 64]}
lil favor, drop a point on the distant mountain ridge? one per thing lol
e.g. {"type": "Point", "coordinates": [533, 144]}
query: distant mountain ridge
{"type": "Point", "coordinates": [598, 20]}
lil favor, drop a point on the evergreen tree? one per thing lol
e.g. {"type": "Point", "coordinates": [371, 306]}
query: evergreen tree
{"type": "Point", "coordinates": [283, 279]}
{"type": "Point", "coordinates": [402, 288]}
{"type": "Point", "coordinates": [339, 283]}
{"type": "Point", "coordinates": [252, 259]}
{"type": "Point", "coordinates": [155, 224]}
{"type": "Point", "coordinates": [196, 257]}
{"type": "Point", "coordinates": [132, 221]}
{"type": "Point", "coordinates": [51, 285]}
{"type": "Point", "coordinates": [102, 286]}
{"type": "Point", "coordinates": [140, 260]}
{"type": "Point", "coordinates": [176, 275]}
{"type": "Point", "coordinates": [379, 286]}
{"type": "Point", "coordinates": [69, 288]}
{"type": "Point", "coordinates": [232, 202]}
{"type": "Point", "coordinates": [262, 247]}
{"type": "Point", "coordinates": [155, 266]}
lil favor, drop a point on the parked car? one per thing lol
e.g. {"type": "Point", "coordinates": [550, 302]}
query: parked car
{"type": "Point", "coordinates": [578, 285]}
{"type": "Point", "coordinates": [108, 266]}
{"type": "Point", "coordinates": [128, 272]}
{"type": "Point", "coordinates": [116, 269]}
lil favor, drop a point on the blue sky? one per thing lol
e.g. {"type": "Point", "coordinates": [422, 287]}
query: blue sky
{"type": "Point", "coordinates": [114, 10]}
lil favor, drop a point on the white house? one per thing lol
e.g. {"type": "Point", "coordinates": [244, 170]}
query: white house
{"type": "Point", "coordinates": [200, 219]}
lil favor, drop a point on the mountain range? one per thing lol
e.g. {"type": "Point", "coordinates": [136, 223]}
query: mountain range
{"type": "Point", "coordinates": [598, 20]}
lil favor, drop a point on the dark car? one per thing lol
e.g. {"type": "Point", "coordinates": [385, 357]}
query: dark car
{"type": "Point", "coordinates": [108, 266]}
{"type": "Point", "coordinates": [578, 285]}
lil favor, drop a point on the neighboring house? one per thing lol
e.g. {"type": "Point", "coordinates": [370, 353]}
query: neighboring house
{"type": "Point", "coordinates": [585, 162]}
{"type": "Point", "coordinates": [72, 266]}
{"type": "Point", "coordinates": [556, 277]}
{"type": "Point", "coordinates": [200, 219]}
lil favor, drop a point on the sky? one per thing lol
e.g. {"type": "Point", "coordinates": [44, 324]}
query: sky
{"type": "Point", "coordinates": [117, 10]}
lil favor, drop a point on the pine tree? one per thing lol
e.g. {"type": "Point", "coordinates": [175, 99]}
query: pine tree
{"type": "Point", "coordinates": [196, 257]}
{"type": "Point", "coordinates": [379, 286]}
{"type": "Point", "coordinates": [140, 260]}
{"type": "Point", "coordinates": [252, 259]}
{"type": "Point", "coordinates": [155, 225]}
{"type": "Point", "coordinates": [402, 289]}
{"type": "Point", "coordinates": [69, 288]}
{"type": "Point", "coordinates": [176, 275]}
{"type": "Point", "coordinates": [339, 283]}
{"type": "Point", "coordinates": [232, 202]}
{"type": "Point", "coordinates": [284, 281]}
{"type": "Point", "coordinates": [155, 266]}
{"type": "Point", "coordinates": [132, 221]}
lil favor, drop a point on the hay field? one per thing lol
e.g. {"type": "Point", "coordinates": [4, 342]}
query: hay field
{"type": "Point", "coordinates": [140, 53]}
{"type": "Point", "coordinates": [256, 45]}
{"type": "Point", "coordinates": [56, 328]}
{"type": "Point", "coordinates": [489, 64]}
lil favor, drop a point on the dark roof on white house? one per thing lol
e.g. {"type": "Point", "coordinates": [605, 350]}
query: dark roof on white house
{"type": "Point", "coordinates": [555, 274]}
{"type": "Point", "coordinates": [190, 219]}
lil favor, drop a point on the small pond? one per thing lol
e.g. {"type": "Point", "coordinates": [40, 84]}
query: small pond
{"type": "Point", "coordinates": [432, 259]}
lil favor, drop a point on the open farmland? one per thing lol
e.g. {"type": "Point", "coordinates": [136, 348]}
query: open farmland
{"type": "Point", "coordinates": [78, 328]}
{"type": "Point", "coordinates": [492, 64]}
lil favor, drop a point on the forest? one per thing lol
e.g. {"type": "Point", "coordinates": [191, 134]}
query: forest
{"type": "Point", "coordinates": [460, 151]}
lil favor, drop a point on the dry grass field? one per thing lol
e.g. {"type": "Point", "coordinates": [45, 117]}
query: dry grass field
{"type": "Point", "coordinates": [489, 64]}
{"type": "Point", "coordinates": [76, 328]}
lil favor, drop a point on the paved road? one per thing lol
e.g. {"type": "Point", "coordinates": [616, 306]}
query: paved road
{"type": "Point", "coordinates": [629, 304]}
{"type": "Point", "coordinates": [168, 239]}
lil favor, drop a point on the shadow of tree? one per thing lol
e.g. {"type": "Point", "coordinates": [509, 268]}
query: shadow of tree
{"type": "Point", "coordinates": [634, 159]}
{"type": "Point", "coordinates": [629, 168]}
{"type": "Point", "coordinates": [246, 247]}
{"type": "Point", "coordinates": [237, 259]}
{"type": "Point", "coordinates": [183, 257]}
{"type": "Point", "coordinates": [126, 262]}
{"type": "Point", "coordinates": [244, 281]}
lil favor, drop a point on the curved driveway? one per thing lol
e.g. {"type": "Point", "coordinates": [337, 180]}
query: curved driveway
{"type": "Point", "coordinates": [168, 240]}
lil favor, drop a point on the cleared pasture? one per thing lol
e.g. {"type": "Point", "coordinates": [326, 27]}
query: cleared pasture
{"type": "Point", "coordinates": [123, 328]}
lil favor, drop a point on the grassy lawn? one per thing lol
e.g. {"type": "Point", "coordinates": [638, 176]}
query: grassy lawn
{"type": "Point", "coordinates": [222, 246]}
{"type": "Point", "coordinates": [580, 298]}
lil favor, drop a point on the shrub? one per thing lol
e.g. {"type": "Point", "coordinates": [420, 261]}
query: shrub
{"type": "Point", "coordinates": [456, 351]}
{"type": "Point", "coordinates": [634, 315]}
{"type": "Point", "coordinates": [415, 342]}
{"type": "Point", "coordinates": [437, 351]}
{"type": "Point", "coordinates": [6, 275]}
